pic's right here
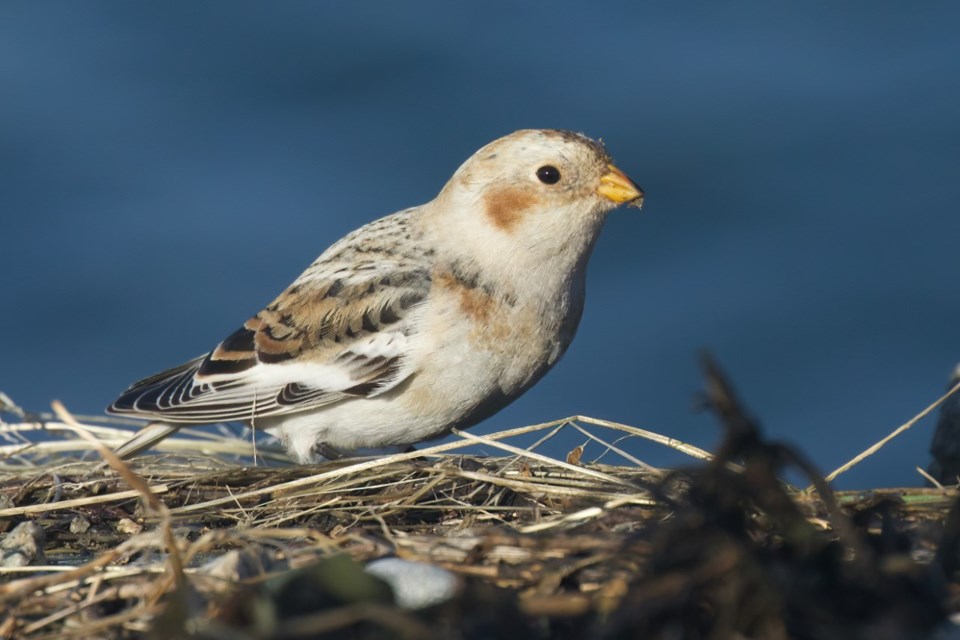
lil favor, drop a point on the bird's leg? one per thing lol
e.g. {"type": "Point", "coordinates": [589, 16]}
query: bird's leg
{"type": "Point", "coordinates": [322, 451]}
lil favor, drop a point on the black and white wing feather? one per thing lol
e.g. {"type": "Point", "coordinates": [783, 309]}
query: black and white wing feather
{"type": "Point", "coordinates": [306, 350]}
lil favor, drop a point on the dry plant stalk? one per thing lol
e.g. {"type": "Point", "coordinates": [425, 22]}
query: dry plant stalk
{"type": "Point", "coordinates": [287, 516]}
{"type": "Point", "coordinates": [204, 524]}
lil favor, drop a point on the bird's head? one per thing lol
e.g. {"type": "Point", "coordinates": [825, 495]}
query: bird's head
{"type": "Point", "coordinates": [538, 192]}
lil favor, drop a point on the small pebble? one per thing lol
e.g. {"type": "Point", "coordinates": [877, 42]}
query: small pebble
{"type": "Point", "coordinates": [5, 523]}
{"type": "Point", "coordinates": [79, 524]}
{"type": "Point", "coordinates": [22, 546]}
{"type": "Point", "coordinates": [236, 565]}
{"type": "Point", "coordinates": [416, 585]}
{"type": "Point", "coordinates": [126, 525]}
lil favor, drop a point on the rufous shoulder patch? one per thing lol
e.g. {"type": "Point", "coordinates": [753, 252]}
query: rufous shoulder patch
{"type": "Point", "coordinates": [474, 302]}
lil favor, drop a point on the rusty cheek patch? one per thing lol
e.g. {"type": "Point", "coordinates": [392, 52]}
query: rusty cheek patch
{"type": "Point", "coordinates": [505, 207]}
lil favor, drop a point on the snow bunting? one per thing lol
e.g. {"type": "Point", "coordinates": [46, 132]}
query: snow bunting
{"type": "Point", "coordinates": [432, 318]}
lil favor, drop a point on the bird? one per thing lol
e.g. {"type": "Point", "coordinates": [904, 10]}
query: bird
{"type": "Point", "coordinates": [427, 320]}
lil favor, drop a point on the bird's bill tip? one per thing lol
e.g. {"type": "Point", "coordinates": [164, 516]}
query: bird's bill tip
{"type": "Point", "coordinates": [617, 187]}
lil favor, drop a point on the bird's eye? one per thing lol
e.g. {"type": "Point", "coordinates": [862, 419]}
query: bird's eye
{"type": "Point", "coordinates": [548, 174]}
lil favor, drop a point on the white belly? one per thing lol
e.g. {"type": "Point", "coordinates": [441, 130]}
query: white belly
{"type": "Point", "coordinates": [462, 372]}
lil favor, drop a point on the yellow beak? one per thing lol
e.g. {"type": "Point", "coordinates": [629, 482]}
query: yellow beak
{"type": "Point", "coordinates": [617, 187]}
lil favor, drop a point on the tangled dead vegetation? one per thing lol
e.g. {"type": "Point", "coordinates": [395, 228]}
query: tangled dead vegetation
{"type": "Point", "coordinates": [199, 546]}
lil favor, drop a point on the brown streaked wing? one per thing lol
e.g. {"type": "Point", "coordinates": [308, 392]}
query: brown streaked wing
{"type": "Point", "coordinates": [320, 327]}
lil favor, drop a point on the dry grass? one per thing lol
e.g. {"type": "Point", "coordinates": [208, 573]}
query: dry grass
{"type": "Point", "coordinates": [194, 541]}
{"type": "Point", "coordinates": [194, 503]}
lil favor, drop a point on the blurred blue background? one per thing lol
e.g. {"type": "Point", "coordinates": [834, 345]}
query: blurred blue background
{"type": "Point", "coordinates": [167, 168]}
